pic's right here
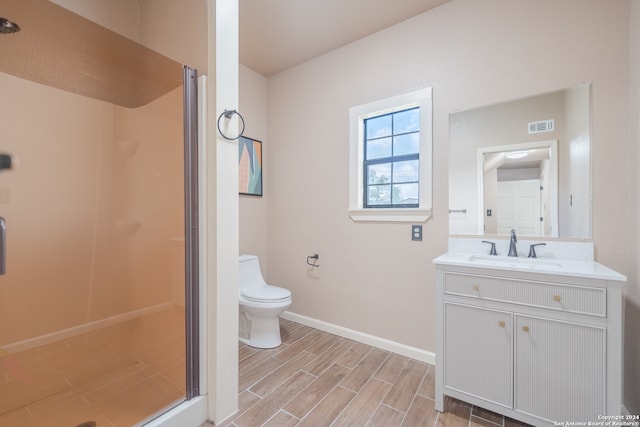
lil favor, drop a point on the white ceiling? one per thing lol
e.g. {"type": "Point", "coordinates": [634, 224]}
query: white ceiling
{"type": "Point", "coordinates": [279, 34]}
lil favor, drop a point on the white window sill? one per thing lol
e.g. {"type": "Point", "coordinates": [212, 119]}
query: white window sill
{"type": "Point", "coordinates": [390, 215]}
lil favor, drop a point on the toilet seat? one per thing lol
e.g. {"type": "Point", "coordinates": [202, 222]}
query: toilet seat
{"type": "Point", "coordinates": [265, 293]}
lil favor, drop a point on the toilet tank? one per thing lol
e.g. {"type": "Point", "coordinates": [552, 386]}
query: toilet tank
{"type": "Point", "coordinates": [249, 271]}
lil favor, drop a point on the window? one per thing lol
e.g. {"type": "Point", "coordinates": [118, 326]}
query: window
{"type": "Point", "coordinates": [390, 159]}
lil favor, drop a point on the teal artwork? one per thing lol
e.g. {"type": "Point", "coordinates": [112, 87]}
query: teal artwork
{"type": "Point", "coordinates": [250, 166]}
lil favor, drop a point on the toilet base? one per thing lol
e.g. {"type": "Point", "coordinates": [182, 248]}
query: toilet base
{"type": "Point", "coordinates": [264, 333]}
{"type": "Point", "coordinates": [259, 332]}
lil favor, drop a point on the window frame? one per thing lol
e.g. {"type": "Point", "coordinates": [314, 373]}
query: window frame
{"type": "Point", "coordinates": [421, 98]}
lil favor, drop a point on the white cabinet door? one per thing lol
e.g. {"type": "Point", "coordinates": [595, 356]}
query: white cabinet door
{"type": "Point", "coordinates": [560, 369]}
{"type": "Point", "coordinates": [478, 352]}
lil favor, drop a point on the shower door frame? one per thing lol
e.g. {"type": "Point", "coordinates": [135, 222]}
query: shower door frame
{"type": "Point", "coordinates": [192, 266]}
{"type": "Point", "coordinates": [194, 409]}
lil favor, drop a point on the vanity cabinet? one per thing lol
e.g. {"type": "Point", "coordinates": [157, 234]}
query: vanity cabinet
{"type": "Point", "coordinates": [537, 347]}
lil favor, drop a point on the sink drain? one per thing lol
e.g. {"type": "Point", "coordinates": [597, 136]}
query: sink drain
{"type": "Point", "coordinates": [87, 424]}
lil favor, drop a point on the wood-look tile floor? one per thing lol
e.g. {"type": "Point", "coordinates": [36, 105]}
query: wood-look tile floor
{"type": "Point", "coordinates": [318, 379]}
{"type": "Point", "coordinates": [115, 376]}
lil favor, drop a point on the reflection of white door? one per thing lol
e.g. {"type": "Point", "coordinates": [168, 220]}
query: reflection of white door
{"type": "Point", "coordinates": [519, 207]}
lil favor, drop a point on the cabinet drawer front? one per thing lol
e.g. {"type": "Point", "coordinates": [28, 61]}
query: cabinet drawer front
{"type": "Point", "coordinates": [556, 296]}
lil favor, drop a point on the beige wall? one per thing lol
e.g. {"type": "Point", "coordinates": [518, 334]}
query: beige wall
{"type": "Point", "coordinates": [373, 278]}
{"type": "Point", "coordinates": [121, 16]}
{"type": "Point", "coordinates": [253, 210]}
{"type": "Point", "coordinates": [632, 312]}
{"type": "Point", "coordinates": [174, 28]}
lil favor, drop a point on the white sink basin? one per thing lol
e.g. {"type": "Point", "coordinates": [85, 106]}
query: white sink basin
{"type": "Point", "coordinates": [516, 262]}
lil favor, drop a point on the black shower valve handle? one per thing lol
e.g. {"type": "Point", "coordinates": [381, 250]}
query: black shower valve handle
{"type": "Point", "coordinates": [7, 161]}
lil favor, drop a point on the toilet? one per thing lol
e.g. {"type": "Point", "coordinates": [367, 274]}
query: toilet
{"type": "Point", "coordinates": [260, 306]}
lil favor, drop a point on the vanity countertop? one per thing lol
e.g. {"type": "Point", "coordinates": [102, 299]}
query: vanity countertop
{"type": "Point", "coordinates": [555, 266]}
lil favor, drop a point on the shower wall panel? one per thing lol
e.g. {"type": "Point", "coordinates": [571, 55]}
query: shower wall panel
{"type": "Point", "coordinates": [148, 198]}
{"type": "Point", "coordinates": [90, 223]}
{"type": "Point", "coordinates": [57, 207]}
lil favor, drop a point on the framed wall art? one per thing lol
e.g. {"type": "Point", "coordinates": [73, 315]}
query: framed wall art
{"type": "Point", "coordinates": [250, 166]}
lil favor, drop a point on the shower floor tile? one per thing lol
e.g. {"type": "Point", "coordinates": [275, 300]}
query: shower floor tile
{"type": "Point", "coordinates": [115, 376]}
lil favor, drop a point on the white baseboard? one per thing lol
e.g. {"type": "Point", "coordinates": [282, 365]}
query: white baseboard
{"type": "Point", "coordinates": [383, 343]}
{"type": "Point", "coordinates": [81, 329]}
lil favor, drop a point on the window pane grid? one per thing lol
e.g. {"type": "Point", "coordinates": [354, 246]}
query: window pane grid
{"type": "Point", "coordinates": [391, 165]}
{"type": "Point", "coordinates": [395, 135]}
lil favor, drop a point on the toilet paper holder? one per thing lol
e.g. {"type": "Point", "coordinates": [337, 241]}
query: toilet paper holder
{"type": "Point", "coordinates": [313, 263]}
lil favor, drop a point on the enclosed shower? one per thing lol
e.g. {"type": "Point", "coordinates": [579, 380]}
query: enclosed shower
{"type": "Point", "coordinates": [92, 304]}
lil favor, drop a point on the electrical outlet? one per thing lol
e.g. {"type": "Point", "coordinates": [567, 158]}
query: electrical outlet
{"type": "Point", "coordinates": [416, 232]}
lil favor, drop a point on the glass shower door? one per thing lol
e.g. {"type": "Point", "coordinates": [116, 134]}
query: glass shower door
{"type": "Point", "coordinates": [92, 324]}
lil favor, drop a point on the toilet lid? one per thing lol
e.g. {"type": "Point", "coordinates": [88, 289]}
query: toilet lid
{"type": "Point", "coordinates": [264, 293]}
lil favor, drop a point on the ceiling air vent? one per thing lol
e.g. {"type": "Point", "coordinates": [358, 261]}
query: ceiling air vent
{"type": "Point", "coordinates": [542, 126]}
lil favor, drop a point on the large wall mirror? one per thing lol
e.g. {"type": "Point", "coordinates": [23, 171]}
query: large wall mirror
{"type": "Point", "coordinates": [523, 165]}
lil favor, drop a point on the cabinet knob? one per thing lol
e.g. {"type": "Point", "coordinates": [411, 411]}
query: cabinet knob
{"type": "Point", "coordinates": [525, 328]}
{"type": "Point", "coordinates": [501, 324]}
{"type": "Point", "coordinates": [556, 298]}
{"type": "Point", "coordinates": [476, 287]}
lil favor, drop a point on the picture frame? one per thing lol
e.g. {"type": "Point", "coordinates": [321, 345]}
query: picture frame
{"type": "Point", "coordinates": [250, 171]}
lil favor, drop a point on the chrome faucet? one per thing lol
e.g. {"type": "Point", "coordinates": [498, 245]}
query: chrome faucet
{"type": "Point", "coordinates": [512, 245]}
